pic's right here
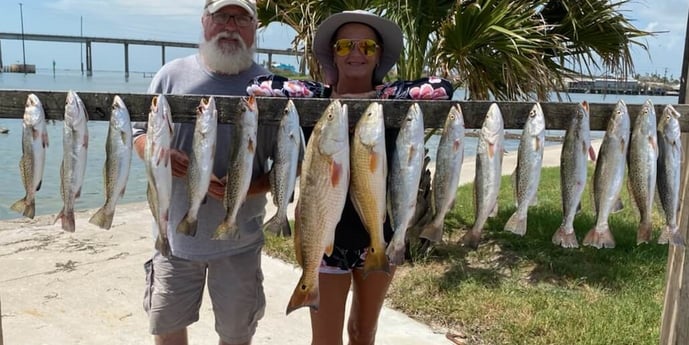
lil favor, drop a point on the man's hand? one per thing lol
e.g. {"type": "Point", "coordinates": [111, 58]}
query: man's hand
{"type": "Point", "coordinates": [217, 188]}
{"type": "Point", "coordinates": [180, 163]}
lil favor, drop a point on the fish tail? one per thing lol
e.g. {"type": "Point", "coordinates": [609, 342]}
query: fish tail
{"type": "Point", "coordinates": [27, 209]}
{"type": "Point", "coordinates": [433, 231]}
{"type": "Point", "coordinates": [163, 246]}
{"type": "Point", "coordinates": [187, 226]}
{"type": "Point", "coordinates": [67, 219]}
{"type": "Point", "coordinates": [599, 238]}
{"type": "Point", "coordinates": [278, 226]}
{"type": "Point", "coordinates": [516, 224]}
{"type": "Point", "coordinates": [226, 231]}
{"type": "Point", "coordinates": [643, 234]}
{"type": "Point", "coordinates": [396, 250]}
{"type": "Point", "coordinates": [471, 239]}
{"type": "Point", "coordinates": [102, 219]}
{"type": "Point", "coordinates": [376, 260]}
{"type": "Point", "coordinates": [677, 239]}
{"type": "Point", "coordinates": [564, 238]}
{"type": "Point", "coordinates": [303, 296]}
{"type": "Point", "coordinates": [672, 235]}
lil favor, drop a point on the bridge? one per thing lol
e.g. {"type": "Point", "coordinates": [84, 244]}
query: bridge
{"type": "Point", "coordinates": [88, 40]}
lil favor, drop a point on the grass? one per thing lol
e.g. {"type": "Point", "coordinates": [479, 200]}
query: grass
{"type": "Point", "coordinates": [525, 290]}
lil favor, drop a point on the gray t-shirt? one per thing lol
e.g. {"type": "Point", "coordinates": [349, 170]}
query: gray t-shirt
{"type": "Point", "coordinates": [189, 76]}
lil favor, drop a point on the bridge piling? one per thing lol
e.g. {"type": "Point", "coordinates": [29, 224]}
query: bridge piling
{"type": "Point", "coordinates": [126, 60]}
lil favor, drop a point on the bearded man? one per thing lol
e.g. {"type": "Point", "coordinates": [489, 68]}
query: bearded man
{"type": "Point", "coordinates": [174, 285]}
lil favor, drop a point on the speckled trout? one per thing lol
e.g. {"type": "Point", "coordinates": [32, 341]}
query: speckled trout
{"type": "Point", "coordinates": [403, 180]}
{"type": "Point", "coordinates": [448, 165]}
{"type": "Point", "coordinates": [201, 160]}
{"type": "Point", "coordinates": [323, 185]}
{"type": "Point", "coordinates": [528, 171]}
{"type": "Point", "coordinates": [368, 183]}
{"type": "Point", "coordinates": [283, 174]}
{"type": "Point", "coordinates": [573, 173]}
{"type": "Point", "coordinates": [159, 168]}
{"type": "Point", "coordinates": [118, 159]}
{"type": "Point", "coordinates": [642, 164]}
{"type": "Point", "coordinates": [669, 164]}
{"type": "Point", "coordinates": [239, 168]}
{"type": "Point", "coordinates": [609, 176]}
{"type": "Point", "coordinates": [75, 139]}
{"type": "Point", "coordinates": [489, 154]}
{"type": "Point", "coordinates": [34, 147]}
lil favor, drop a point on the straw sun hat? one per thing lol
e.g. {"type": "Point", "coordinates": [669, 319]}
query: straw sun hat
{"type": "Point", "coordinates": [389, 32]}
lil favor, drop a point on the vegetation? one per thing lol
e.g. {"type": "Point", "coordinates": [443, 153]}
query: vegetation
{"type": "Point", "coordinates": [525, 290]}
{"type": "Point", "coordinates": [509, 50]}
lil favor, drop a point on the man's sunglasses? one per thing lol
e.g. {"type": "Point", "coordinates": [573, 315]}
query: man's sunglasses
{"type": "Point", "coordinates": [344, 46]}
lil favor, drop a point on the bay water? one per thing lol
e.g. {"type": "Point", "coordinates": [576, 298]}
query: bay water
{"type": "Point", "coordinates": [48, 199]}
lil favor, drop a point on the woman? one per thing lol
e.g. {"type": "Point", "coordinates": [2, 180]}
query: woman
{"type": "Point", "coordinates": [356, 50]}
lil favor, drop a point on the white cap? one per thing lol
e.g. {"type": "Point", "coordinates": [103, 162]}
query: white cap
{"type": "Point", "coordinates": [213, 6]}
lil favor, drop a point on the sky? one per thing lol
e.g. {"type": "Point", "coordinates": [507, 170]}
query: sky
{"type": "Point", "coordinates": [158, 20]}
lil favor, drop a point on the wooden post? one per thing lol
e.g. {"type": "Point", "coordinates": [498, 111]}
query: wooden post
{"type": "Point", "coordinates": [126, 60]}
{"type": "Point", "coordinates": [675, 320]}
{"type": "Point", "coordinates": [1, 342]}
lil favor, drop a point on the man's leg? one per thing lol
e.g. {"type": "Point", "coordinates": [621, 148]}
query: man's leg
{"type": "Point", "coordinates": [174, 289]}
{"type": "Point", "coordinates": [235, 285]}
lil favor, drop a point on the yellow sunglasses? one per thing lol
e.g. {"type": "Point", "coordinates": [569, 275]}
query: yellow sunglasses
{"type": "Point", "coordinates": [344, 46]}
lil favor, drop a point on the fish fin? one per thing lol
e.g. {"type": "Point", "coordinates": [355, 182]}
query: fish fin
{"type": "Point", "coordinates": [67, 220]}
{"type": "Point", "coordinates": [78, 193]}
{"type": "Point", "coordinates": [643, 234]}
{"type": "Point", "coordinates": [619, 206]}
{"type": "Point", "coordinates": [102, 219]}
{"type": "Point", "coordinates": [592, 152]}
{"type": "Point", "coordinates": [432, 232]}
{"type": "Point", "coordinates": [278, 226]}
{"type": "Point", "coordinates": [44, 139]}
{"type": "Point", "coordinates": [336, 172]}
{"type": "Point", "coordinates": [187, 226]}
{"type": "Point", "coordinates": [40, 183]}
{"type": "Point", "coordinates": [471, 239]}
{"type": "Point", "coordinates": [251, 146]}
{"type": "Point", "coordinates": [163, 246]}
{"type": "Point", "coordinates": [303, 296]}
{"type": "Point", "coordinates": [491, 150]}
{"type": "Point", "coordinates": [564, 239]}
{"type": "Point", "coordinates": [297, 237]}
{"type": "Point", "coordinates": [599, 238]}
{"type": "Point", "coordinates": [373, 161]}
{"type": "Point", "coordinates": [457, 144]}
{"type": "Point", "coordinates": [329, 243]}
{"type": "Point", "coordinates": [226, 231]}
{"type": "Point", "coordinates": [26, 209]}
{"type": "Point", "coordinates": [516, 224]}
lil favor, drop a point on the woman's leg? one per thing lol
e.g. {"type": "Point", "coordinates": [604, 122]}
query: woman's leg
{"type": "Point", "coordinates": [328, 321]}
{"type": "Point", "coordinates": [368, 295]}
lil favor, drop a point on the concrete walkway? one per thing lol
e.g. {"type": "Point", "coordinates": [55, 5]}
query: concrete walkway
{"type": "Point", "coordinates": [87, 287]}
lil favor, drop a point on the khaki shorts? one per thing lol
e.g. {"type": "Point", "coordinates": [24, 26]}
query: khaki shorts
{"type": "Point", "coordinates": [174, 289]}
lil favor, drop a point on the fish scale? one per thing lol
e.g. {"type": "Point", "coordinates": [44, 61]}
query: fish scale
{"type": "Point", "coordinates": [403, 180]}
{"type": "Point", "coordinates": [32, 162]}
{"type": "Point", "coordinates": [201, 160]}
{"type": "Point", "coordinates": [283, 174]}
{"type": "Point", "coordinates": [324, 181]}
{"type": "Point", "coordinates": [573, 174]}
{"type": "Point", "coordinates": [239, 168]}
{"type": "Point", "coordinates": [642, 165]}
{"type": "Point", "coordinates": [368, 183]}
{"type": "Point", "coordinates": [118, 158]}
{"type": "Point", "coordinates": [73, 168]}
{"type": "Point", "coordinates": [668, 179]}
{"type": "Point", "coordinates": [609, 176]}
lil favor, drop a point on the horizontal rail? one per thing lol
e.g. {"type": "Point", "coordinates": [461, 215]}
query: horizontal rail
{"type": "Point", "coordinates": [183, 108]}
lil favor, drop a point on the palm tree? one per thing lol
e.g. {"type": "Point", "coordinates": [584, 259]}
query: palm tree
{"type": "Point", "coordinates": [509, 50]}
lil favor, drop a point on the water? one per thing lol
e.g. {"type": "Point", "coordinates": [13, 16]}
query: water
{"type": "Point", "coordinates": [48, 200]}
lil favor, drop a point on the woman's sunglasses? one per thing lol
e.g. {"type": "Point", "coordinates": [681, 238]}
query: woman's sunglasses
{"type": "Point", "coordinates": [344, 46]}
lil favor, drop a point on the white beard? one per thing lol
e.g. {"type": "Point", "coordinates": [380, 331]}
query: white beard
{"type": "Point", "coordinates": [225, 58]}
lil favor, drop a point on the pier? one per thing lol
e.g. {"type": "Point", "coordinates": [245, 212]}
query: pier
{"type": "Point", "coordinates": [89, 40]}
